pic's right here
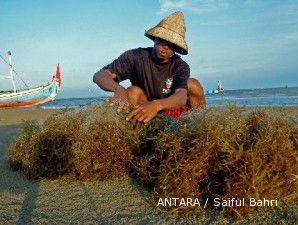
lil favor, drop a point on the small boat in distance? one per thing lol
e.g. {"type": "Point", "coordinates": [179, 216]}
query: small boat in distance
{"type": "Point", "coordinates": [29, 96]}
{"type": "Point", "coordinates": [219, 89]}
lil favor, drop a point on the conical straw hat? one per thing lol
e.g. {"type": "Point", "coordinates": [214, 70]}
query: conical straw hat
{"type": "Point", "coordinates": [171, 29]}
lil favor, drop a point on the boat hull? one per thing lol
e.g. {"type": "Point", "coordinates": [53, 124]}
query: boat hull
{"type": "Point", "coordinates": [24, 104]}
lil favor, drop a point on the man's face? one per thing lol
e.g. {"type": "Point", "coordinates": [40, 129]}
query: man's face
{"type": "Point", "coordinates": [164, 50]}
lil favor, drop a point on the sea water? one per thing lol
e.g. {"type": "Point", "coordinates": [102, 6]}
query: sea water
{"type": "Point", "coordinates": [249, 97]}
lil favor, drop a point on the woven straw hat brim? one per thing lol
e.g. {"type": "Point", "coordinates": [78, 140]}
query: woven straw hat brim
{"type": "Point", "coordinates": [170, 36]}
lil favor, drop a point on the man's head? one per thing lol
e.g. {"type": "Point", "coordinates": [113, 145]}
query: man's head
{"type": "Point", "coordinates": [172, 30]}
{"type": "Point", "coordinates": [164, 50]}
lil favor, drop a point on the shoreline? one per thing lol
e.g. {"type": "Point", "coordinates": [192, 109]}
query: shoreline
{"type": "Point", "coordinates": [18, 116]}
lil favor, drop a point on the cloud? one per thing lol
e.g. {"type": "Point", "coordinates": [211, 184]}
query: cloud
{"type": "Point", "coordinates": [286, 9]}
{"type": "Point", "coordinates": [208, 6]}
{"type": "Point", "coordinates": [170, 5]}
{"type": "Point", "coordinates": [194, 6]}
{"type": "Point", "coordinates": [266, 54]}
{"type": "Point", "coordinates": [282, 41]}
{"type": "Point", "coordinates": [292, 37]}
{"type": "Point", "coordinates": [231, 66]}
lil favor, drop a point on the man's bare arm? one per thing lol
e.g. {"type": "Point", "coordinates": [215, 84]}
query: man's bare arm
{"type": "Point", "coordinates": [177, 100]}
{"type": "Point", "coordinates": [105, 80]}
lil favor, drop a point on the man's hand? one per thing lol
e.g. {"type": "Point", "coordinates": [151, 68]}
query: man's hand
{"type": "Point", "coordinates": [120, 98]}
{"type": "Point", "coordinates": [144, 112]}
{"type": "Point", "coordinates": [105, 80]}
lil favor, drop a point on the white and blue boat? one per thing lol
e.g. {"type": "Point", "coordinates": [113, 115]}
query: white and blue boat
{"type": "Point", "coordinates": [219, 89]}
{"type": "Point", "coordinates": [29, 96]}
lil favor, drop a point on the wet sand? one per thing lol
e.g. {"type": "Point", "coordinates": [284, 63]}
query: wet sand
{"type": "Point", "coordinates": [120, 201]}
{"type": "Point", "coordinates": [17, 116]}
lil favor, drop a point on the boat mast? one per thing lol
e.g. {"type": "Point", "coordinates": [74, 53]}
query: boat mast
{"type": "Point", "coordinates": [11, 72]}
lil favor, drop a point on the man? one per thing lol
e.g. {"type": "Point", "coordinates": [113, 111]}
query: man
{"type": "Point", "coordinates": [160, 78]}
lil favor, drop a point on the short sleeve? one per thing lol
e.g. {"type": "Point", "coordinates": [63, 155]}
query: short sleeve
{"type": "Point", "coordinates": [122, 66]}
{"type": "Point", "coordinates": [181, 75]}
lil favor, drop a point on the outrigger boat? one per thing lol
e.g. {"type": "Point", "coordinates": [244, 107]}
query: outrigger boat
{"type": "Point", "coordinates": [219, 89]}
{"type": "Point", "coordinates": [29, 96]}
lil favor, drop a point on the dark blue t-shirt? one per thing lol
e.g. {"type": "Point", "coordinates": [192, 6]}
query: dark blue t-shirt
{"type": "Point", "coordinates": [158, 80]}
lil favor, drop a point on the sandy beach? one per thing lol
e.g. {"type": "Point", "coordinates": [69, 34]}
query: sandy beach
{"type": "Point", "coordinates": [120, 201]}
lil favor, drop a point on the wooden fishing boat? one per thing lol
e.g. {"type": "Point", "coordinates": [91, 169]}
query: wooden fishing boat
{"type": "Point", "coordinates": [29, 96]}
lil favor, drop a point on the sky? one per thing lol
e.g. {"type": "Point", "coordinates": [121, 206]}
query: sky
{"type": "Point", "coordinates": [245, 44]}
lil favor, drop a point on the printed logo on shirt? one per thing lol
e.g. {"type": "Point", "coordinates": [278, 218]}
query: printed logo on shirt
{"type": "Point", "coordinates": [169, 83]}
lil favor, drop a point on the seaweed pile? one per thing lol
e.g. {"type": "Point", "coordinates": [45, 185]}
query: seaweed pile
{"type": "Point", "coordinates": [228, 152]}
{"type": "Point", "coordinates": [91, 143]}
